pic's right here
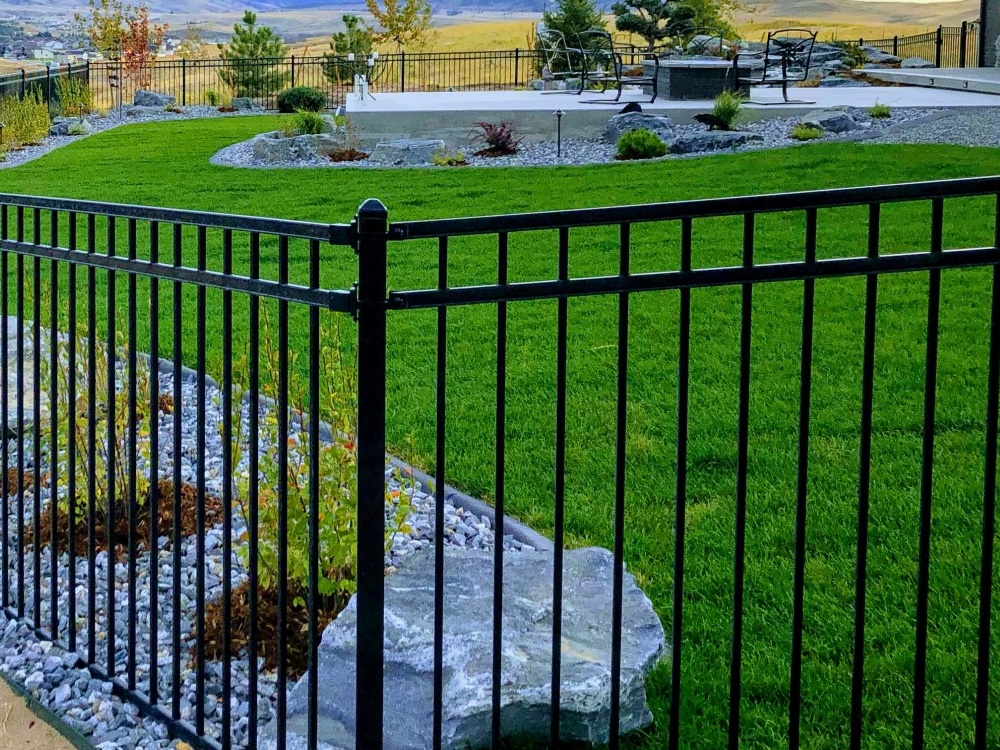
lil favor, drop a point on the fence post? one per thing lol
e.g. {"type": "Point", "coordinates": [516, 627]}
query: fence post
{"type": "Point", "coordinates": [371, 224]}
{"type": "Point", "coordinates": [184, 82]}
{"type": "Point", "coordinates": [895, 45]}
{"type": "Point", "coordinates": [517, 60]}
{"type": "Point", "coordinates": [48, 83]}
{"type": "Point", "coordinates": [402, 71]}
{"type": "Point", "coordinates": [24, 83]}
{"type": "Point", "coordinates": [938, 43]}
{"type": "Point", "coordinates": [962, 44]}
{"type": "Point", "coordinates": [293, 71]}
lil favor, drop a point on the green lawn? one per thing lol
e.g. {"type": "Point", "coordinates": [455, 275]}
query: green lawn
{"type": "Point", "coordinates": [167, 165]}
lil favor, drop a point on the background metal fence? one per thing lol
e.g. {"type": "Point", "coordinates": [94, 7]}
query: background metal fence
{"type": "Point", "coordinates": [42, 80]}
{"type": "Point", "coordinates": [947, 47]}
{"type": "Point", "coordinates": [92, 286]}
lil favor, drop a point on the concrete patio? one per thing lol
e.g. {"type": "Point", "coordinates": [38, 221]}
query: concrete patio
{"type": "Point", "coordinates": [977, 80]}
{"type": "Point", "coordinates": [450, 115]}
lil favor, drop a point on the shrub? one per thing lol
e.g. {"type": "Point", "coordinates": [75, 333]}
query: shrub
{"type": "Point", "coordinates": [449, 159]}
{"type": "Point", "coordinates": [309, 123]}
{"type": "Point", "coordinates": [77, 129]}
{"type": "Point", "coordinates": [880, 111]}
{"type": "Point", "coordinates": [499, 139]}
{"type": "Point", "coordinates": [26, 121]}
{"type": "Point", "coordinates": [803, 132]}
{"type": "Point", "coordinates": [729, 108]}
{"type": "Point", "coordinates": [640, 144]}
{"type": "Point", "coordinates": [75, 96]}
{"type": "Point", "coordinates": [851, 54]}
{"type": "Point", "coordinates": [212, 98]}
{"type": "Point", "coordinates": [301, 98]}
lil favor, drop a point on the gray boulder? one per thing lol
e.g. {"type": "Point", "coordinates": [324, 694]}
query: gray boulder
{"type": "Point", "coordinates": [879, 58]}
{"type": "Point", "coordinates": [468, 635]}
{"type": "Point", "coordinates": [711, 140]}
{"type": "Point", "coordinates": [144, 111]}
{"type": "Point", "coordinates": [277, 148]}
{"type": "Point", "coordinates": [842, 83]}
{"type": "Point", "coordinates": [916, 62]}
{"type": "Point", "coordinates": [833, 66]}
{"type": "Point", "coordinates": [152, 99]}
{"type": "Point", "coordinates": [63, 126]}
{"type": "Point", "coordinates": [405, 151]}
{"type": "Point", "coordinates": [246, 104]}
{"type": "Point", "coordinates": [618, 125]}
{"type": "Point", "coordinates": [830, 120]}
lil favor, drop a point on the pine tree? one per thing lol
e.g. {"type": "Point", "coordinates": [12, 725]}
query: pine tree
{"type": "Point", "coordinates": [653, 20]}
{"type": "Point", "coordinates": [357, 39]}
{"type": "Point", "coordinates": [572, 18]}
{"type": "Point", "coordinates": [253, 59]}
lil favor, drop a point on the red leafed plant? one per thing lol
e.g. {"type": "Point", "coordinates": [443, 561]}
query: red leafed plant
{"type": "Point", "coordinates": [499, 139]}
{"type": "Point", "coordinates": [140, 45]}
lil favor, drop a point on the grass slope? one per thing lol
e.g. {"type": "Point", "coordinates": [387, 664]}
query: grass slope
{"type": "Point", "coordinates": [167, 165]}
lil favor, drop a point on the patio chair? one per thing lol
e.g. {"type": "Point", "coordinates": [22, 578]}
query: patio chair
{"type": "Point", "coordinates": [785, 59]}
{"type": "Point", "coordinates": [605, 65]}
{"type": "Point", "coordinates": [364, 71]}
{"type": "Point", "coordinates": [561, 62]}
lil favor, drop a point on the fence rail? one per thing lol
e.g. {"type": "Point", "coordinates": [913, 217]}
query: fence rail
{"type": "Point", "coordinates": [92, 286]}
{"type": "Point", "coordinates": [947, 47]}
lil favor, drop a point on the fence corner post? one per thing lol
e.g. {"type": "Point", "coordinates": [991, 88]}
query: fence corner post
{"type": "Point", "coordinates": [371, 225]}
{"type": "Point", "coordinates": [938, 44]}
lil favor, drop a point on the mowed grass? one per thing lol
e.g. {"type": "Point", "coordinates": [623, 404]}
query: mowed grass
{"type": "Point", "coordinates": [167, 165]}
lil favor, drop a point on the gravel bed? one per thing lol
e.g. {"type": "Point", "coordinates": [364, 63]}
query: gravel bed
{"type": "Point", "coordinates": [117, 118]}
{"type": "Point", "coordinates": [56, 678]}
{"type": "Point", "coordinates": [774, 133]}
{"type": "Point", "coordinates": [966, 127]}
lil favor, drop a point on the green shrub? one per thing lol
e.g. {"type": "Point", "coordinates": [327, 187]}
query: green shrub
{"type": "Point", "coordinates": [26, 121]}
{"type": "Point", "coordinates": [729, 108]}
{"type": "Point", "coordinates": [77, 128]}
{"type": "Point", "coordinates": [301, 98]}
{"type": "Point", "coordinates": [449, 159]}
{"type": "Point", "coordinates": [212, 98]}
{"type": "Point", "coordinates": [309, 123]}
{"type": "Point", "coordinates": [880, 111]}
{"type": "Point", "coordinates": [803, 132]}
{"type": "Point", "coordinates": [75, 96]}
{"type": "Point", "coordinates": [640, 144]}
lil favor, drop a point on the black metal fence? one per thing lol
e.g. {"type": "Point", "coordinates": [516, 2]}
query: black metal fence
{"type": "Point", "coordinates": [93, 285]}
{"type": "Point", "coordinates": [42, 80]}
{"type": "Point", "coordinates": [947, 47]}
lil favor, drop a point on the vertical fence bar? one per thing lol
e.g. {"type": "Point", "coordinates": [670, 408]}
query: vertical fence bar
{"type": "Point", "coordinates": [253, 429]}
{"type": "Point", "coordinates": [926, 481]}
{"type": "Point", "coordinates": [372, 224]}
{"type": "Point", "coordinates": [5, 406]}
{"type": "Point", "coordinates": [938, 44]}
{"type": "Point", "coordinates": [201, 325]}
{"type": "Point", "coordinates": [500, 494]}
{"type": "Point", "coordinates": [315, 373]}
{"type": "Point", "coordinates": [133, 500]}
{"type": "Point", "coordinates": [54, 431]}
{"type": "Point", "coordinates": [71, 436]}
{"type": "Point", "coordinates": [227, 491]}
{"type": "Point", "coordinates": [36, 421]}
{"type": "Point", "coordinates": [282, 582]}
{"type": "Point", "coordinates": [177, 533]}
{"type": "Point", "coordinates": [441, 458]}
{"type": "Point", "coordinates": [19, 354]}
{"type": "Point", "coordinates": [621, 454]}
{"type": "Point", "coordinates": [111, 457]}
{"type": "Point", "coordinates": [739, 552]}
{"type": "Point", "coordinates": [798, 584]}
{"type": "Point", "coordinates": [154, 466]}
{"type": "Point", "coordinates": [91, 445]}
{"type": "Point", "coordinates": [864, 483]}
{"type": "Point", "coordinates": [680, 511]}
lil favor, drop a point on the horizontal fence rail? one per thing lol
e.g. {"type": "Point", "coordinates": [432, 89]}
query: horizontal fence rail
{"type": "Point", "coordinates": [177, 383]}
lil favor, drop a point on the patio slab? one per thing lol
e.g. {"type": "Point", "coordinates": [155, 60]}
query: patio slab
{"type": "Point", "coordinates": [450, 115]}
{"type": "Point", "coordinates": [976, 80]}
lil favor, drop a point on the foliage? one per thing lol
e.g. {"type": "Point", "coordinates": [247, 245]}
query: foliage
{"type": "Point", "coordinates": [305, 122]}
{"type": "Point", "coordinates": [880, 111]}
{"type": "Point", "coordinates": [640, 144]}
{"type": "Point", "coordinates": [499, 138]}
{"type": "Point", "coordinates": [803, 132]}
{"type": "Point", "coordinates": [26, 121]}
{"type": "Point", "coordinates": [106, 26]}
{"type": "Point", "coordinates": [449, 159]}
{"type": "Point", "coordinates": [718, 14]}
{"type": "Point", "coordinates": [252, 60]}
{"type": "Point", "coordinates": [357, 38]}
{"type": "Point", "coordinates": [653, 20]}
{"type": "Point", "coordinates": [338, 491]}
{"type": "Point", "coordinates": [402, 22]}
{"type": "Point", "coordinates": [301, 98]}
{"type": "Point", "coordinates": [572, 18]}
{"type": "Point", "coordinates": [77, 128]}
{"type": "Point", "coordinates": [192, 47]}
{"type": "Point", "coordinates": [728, 108]}
{"type": "Point", "coordinates": [851, 54]}
{"type": "Point", "coordinates": [75, 97]}
{"type": "Point", "coordinates": [212, 98]}
{"type": "Point", "coordinates": [123, 32]}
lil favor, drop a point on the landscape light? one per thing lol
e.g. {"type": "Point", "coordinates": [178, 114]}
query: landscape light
{"type": "Point", "coordinates": [559, 114]}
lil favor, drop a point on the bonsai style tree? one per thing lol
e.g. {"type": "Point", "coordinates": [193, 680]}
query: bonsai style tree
{"type": "Point", "coordinates": [653, 20]}
{"type": "Point", "coordinates": [253, 59]}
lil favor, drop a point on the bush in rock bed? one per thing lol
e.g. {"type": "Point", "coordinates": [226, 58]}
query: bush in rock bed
{"type": "Point", "coordinates": [803, 132]}
{"type": "Point", "coordinates": [307, 123]}
{"type": "Point", "coordinates": [640, 144]}
{"type": "Point", "coordinates": [880, 111]}
{"type": "Point", "coordinates": [26, 121]}
{"type": "Point", "coordinates": [499, 139]}
{"type": "Point", "coordinates": [301, 98]}
{"type": "Point", "coordinates": [728, 108]}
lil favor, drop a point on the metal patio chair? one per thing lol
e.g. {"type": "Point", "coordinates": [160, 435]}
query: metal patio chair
{"type": "Point", "coordinates": [785, 59]}
{"type": "Point", "coordinates": [605, 65]}
{"type": "Point", "coordinates": [561, 62]}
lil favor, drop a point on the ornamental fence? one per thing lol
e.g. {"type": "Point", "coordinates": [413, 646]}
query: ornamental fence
{"type": "Point", "coordinates": [235, 486]}
{"type": "Point", "coordinates": [947, 47]}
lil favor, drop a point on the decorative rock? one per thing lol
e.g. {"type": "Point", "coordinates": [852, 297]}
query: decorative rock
{"type": "Point", "coordinates": [63, 125]}
{"type": "Point", "coordinates": [879, 58]}
{"type": "Point", "coordinates": [916, 62]}
{"type": "Point", "coordinates": [152, 99]}
{"type": "Point", "coordinates": [711, 140]}
{"type": "Point", "coordinates": [526, 658]}
{"type": "Point", "coordinates": [833, 66]}
{"type": "Point", "coordinates": [842, 83]}
{"type": "Point", "coordinates": [621, 124]}
{"type": "Point", "coordinates": [147, 111]}
{"type": "Point", "coordinates": [406, 151]}
{"type": "Point", "coordinates": [246, 104]}
{"type": "Point", "coordinates": [277, 148]}
{"type": "Point", "coordinates": [832, 121]}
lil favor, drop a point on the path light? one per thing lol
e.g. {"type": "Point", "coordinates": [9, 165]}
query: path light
{"type": "Point", "coordinates": [559, 115]}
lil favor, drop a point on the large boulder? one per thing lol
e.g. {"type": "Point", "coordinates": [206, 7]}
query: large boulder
{"type": "Point", "coordinates": [468, 652]}
{"type": "Point", "coordinates": [879, 58]}
{"type": "Point", "coordinates": [63, 126]}
{"type": "Point", "coordinates": [621, 124]}
{"type": "Point", "coordinates": [830, 120]}
{"type": "Point", "coordinates": [152, 99]}
{"type": "Point", "coordinates": [836, 82]}
{"type": "Point", "coordinates": [246, 104]}
{"type": "Point", "coordinates": [404, 152]}
{"type": "Point", "coordinates": [711, 140]}
{"type": "Point", "coordinates": [277, 148]}
{"type": "Point", "coordinates": [916, 62]}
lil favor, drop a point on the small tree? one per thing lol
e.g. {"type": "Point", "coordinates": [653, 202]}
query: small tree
{"type": "Point", "coordinates": [140, 47]}
{"type": "Point", "coordinates": [572, 18]}
{"type": "Point", "coordinates": [356, 39]}
{"type": "Point", "coordinates": [653, 20]}
{"type": "Point", "coordinates": [402, 22]}
{"type": "Point", "coordinates": [105, 25]}
{"type": "Point", "coordinates": [252, 60]}
{"type": "Point", "coordinates": [192, 47]}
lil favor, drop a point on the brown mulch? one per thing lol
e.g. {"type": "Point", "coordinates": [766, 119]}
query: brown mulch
{"type": "Point", "coordinates": [12, 483]}
{"type": "Point", "coordinates": [165, 522]}
{"type": "Point", "coordinates": [493, 153]}
{"type": "Point", "coordinates": [348, 154]}
{"type": "Point", "coordinates": [165, 403]}
{"type": "Point", "coordinates": [296, 626]}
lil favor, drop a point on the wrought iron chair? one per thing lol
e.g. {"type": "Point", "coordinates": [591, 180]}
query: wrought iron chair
{"type": "Point", "coordinates": [785, 59]}
{"type": "Point", "coordinates": [561, 62]}
{"type": "Point", "coordinates": [363, 71]}
{"type": "Point", "coordinates": [605, 65]}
